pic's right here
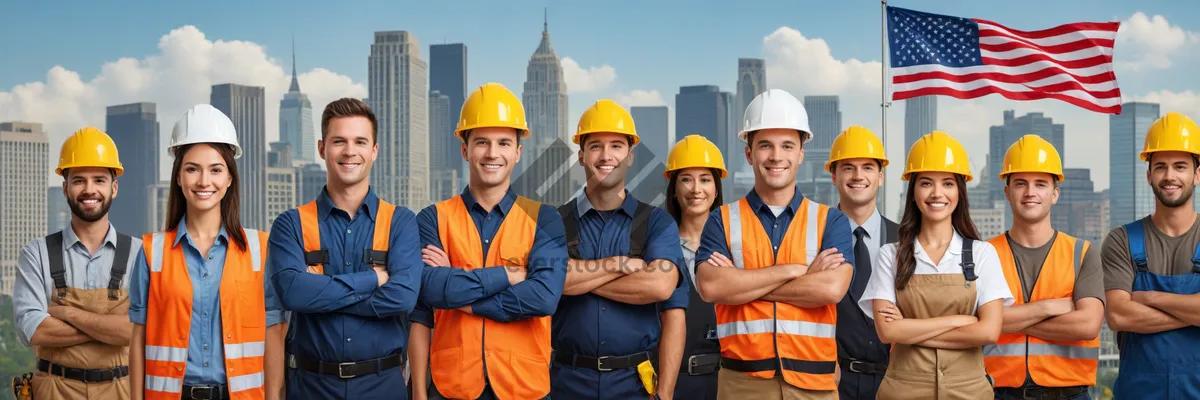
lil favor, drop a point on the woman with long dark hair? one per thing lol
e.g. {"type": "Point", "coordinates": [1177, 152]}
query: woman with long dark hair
{"type": "Point", "coordinates": [205, 319]}
{"type": "Point", "coordinates": [938, 293]}
{"type": "Point", "coordinates": [694, 172]}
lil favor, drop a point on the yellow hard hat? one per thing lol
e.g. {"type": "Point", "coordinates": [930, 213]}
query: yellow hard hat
{"type": "Point", "coordinates": [89, 147]}
{"type": "Point", "coordinates": [1172, 132]}
{"type": "Point", "coordinates": [695, 151]}
{"type": "Point", "coordinates": [492, 105]}
{"type": "Point", "coordinates": [937, 152]}
{"type": "Point", "coordinates": [1031, 153]}
{"type": "Point", "coordinates": [856, 142]}
{"type": "Point", "coordinates": [606, 116]}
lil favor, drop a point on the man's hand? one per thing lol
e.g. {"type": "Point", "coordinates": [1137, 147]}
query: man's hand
{"type": "Point", "coordinates": [719, 260]}
{"type": "Point", "coordinates": [312, 269]}
{"type": "Point", "coordinates": [435, 257]}
{"type": "Point", "coordinates": [515, 275]}
{"type": "Point", "coordinates": [381, 273]}
{"type": "Point", "coordinates": [1056, 307]}
{"type": "Point", "coordinates": [61, 313]}
{"type": "Point", "coordinates": [828, 259]}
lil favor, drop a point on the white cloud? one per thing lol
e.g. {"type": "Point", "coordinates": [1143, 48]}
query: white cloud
{"type": "Point", "coordinates": [808, 67]}
{"type": "Point", "coordinates": [640, 98]}
{"type": "Point", "coordinates": [179, 76]}
{"type": "Point", "coordinates": [1145, 41]}
{"type": "Point", "coordinates": [1186, 102]}
{"type": "Point", "coordinates": [586, 80]}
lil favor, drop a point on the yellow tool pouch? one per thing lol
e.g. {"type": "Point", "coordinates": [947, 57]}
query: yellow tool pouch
{"type": "Point", "coordinates": [649, 377]}
{"type": "Point", "coordinates": [22, 386]}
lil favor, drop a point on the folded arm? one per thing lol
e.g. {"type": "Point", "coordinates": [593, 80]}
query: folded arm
{"type": "Point", "coordinates": [1018, 317]}
{"type": "Point", "coordinates": [54, 333]}
{"type": "Point", "coordinates": [37, 326]}
{"type": "Point", "coordinates": [984, 331]}
{"type": "Point", "coordinates": [1184, 307]}
{"type": "Point", "coordinates": [538, 294]}
{"type": "Point", "coordinates": [1081, 324]}
{"type": "Point", "coordinates": [912, 330]}
{"type": "Point", "coordinates": [112, 329]}
{"type": "Point", "coordinates": [585, 276]}
{"type": "Point", "coordinates": [815, 289]}
{"type": "Point", "coordinates": [1125, 315]}
{"type": "Point", "coordinates": [304, 292]}
{"type": "Point", "coordinates": [398, 296]}
{"type": "Point", "coordinates": [658, 275]}
{"type": "Point", "coordinates": [735, 286]}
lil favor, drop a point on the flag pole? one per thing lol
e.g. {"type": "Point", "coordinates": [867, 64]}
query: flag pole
{"type": "Point", "coordinates": [883, 102]}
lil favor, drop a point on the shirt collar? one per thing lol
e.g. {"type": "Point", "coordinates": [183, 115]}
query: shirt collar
{"type": "Point", "coordinates": [325, 205]}
{"type": "Point", "coordinates": [871, 225]}
{"type": "Point", "coordinates": [955, 248]}
{"type": "Point", "coordinates": [583, 205]}
{"type": "Point", "coordinates": [181, 231]}
{"type": "Point", "coordinates": [70, 238]}
{"type": "Point", "coordinates": [756, 202]}
{"type": "Point", "coordinates": [504, 206]}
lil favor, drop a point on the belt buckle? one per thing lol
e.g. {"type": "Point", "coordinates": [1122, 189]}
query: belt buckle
{"type": "Point", "coordinates": [342, 373]}
{"type": "Point", "coordinates": [855, 370]}
{"type": "Point", "coordinates": [600, 364]}
{"type": "Point", "coordinates": [1026, 390]}
{"type": "Point", "coordinates": [207, 390]}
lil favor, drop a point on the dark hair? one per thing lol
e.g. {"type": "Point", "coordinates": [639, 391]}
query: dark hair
{"type": "Point", "coordinates": [750, 138]}
{"type": "Point", "coordinates": [1053, 181]}
{"type": "Point", "coordinates": [583, 139]}
{"type": "Point", "coordinates": [348, 107]}
{"type": "Point", "coordinates": [834, 165]}
{"type": "Point", "coordinates": [673, 204]}
{"type": "Point", "coordinates": [230, 215]}
{"type": "Point", "coordinates": [910, 225]}
{"type": "Point", "coordinates": [466, 136]}
{"type": "Point", "coordinates": [1150, 161]}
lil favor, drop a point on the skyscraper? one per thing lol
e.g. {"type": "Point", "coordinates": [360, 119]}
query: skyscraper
{"type": "Point", "coordinates": [545, 101]}
{"type": "Point", "coordinates": [58, 213]}
{"type": "Point", "coordinates": [24, 163]}
{"type": "Point", "coordinates": [281, 181]}
{"type": "Point", "coordinates": [134, 129]}
{"type": "Point", "coordinates": [1003, 136]}
{"type": "Point", "coordinates": [1130, 197]}
{"type": "Point", "coordinates": [651, 123]}
{"type": "Point", "coordinates": [399, 91]}
{"type": "Point", "coordinates": [447, 76]}
{"type": "Point", "coordinates": [157, 197]}
{"type": "Point", "coordinates": [296, 120]}
{"type": "Point", "coordinates": [704, 110]}
{"type": "Point", "coordinates": [246, 107]}
{"type": "Point", "coordinates": [444, 179]}
{"type": "Point", "coordinates": [310, 180]}
{"type": "Point", "coordinates": [752, 81]}
{"type": "Point", "coordinates": [824, 118]}
{"type": "Point", "coordinates": [920, 118]}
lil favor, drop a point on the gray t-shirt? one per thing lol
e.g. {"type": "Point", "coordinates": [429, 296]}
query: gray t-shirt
{"type": "Point", "coordinates": [1089, 278]}
{"type": "Point", "coordinates": [1165, 255]}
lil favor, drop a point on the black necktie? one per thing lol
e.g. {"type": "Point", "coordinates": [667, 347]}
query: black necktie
{"type": "Point", "coordinates": [862, 263]}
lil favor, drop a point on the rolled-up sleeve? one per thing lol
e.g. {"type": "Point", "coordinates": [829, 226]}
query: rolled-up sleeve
{"type": "Point", "coordinates": [422, 314]}
{"type": "Point", "coordinates": [837, 235]}
{"type": "Point", "coordinates": [398, 296]}
{"type": "Point", "coordinates": [664, 245]}
{"type": "Point", "coordinates": [538, 294]}
{"type": "Point", "coordinates": [301, 291]}
{"type": "Point", "coordinates": [712, 238]}
{"type": "Point", "coordinates": [271, 300]}
{"type": "Point", "coordinates": [29, 292]}
{"type": "Point", "coordinates": [139, 288]}
{"type": "Point", "coordinates": [447, 287]}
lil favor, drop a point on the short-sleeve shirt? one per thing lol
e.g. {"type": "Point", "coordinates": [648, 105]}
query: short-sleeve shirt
{"type": "Point", "coordinates": [1089, 278]}
{"type": "Point", "coordinates": [991, 283]}
{"type": "Point", "coordinates": [1165, 255]}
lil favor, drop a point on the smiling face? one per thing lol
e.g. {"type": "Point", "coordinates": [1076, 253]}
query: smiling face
{"type": "Point", "coordinates": [857, 180]}
{"type": "Point", "coordinates": [1173, 177]}
{"type": "Point", "coordinates": [491, 155]}
{"type": "Point", "coordinates": [605, 157]}
{"type": "Point", "coordinates": [1031, 195]}
{"type": "Point", "coordinates": [348, 150]}
{"type": "Point", "coordinates": [695, 190]}
{"type": "Point", "coordinates": [936, 195]}
{"type": "Point", "coordinates": [775, 155]}
{"type": "Point", "coordinates": [204, 178]}
{"type": "Point", "coordinates": [89, 192]}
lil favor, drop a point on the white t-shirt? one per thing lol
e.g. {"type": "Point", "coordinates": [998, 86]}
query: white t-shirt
{"type": "Point", "coordinates": [991, 284]}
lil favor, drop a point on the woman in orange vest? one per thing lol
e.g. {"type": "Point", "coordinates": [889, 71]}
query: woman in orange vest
{"type": "Point", "coordinates": [206, 323]}
{"type": "Point", "coordinates": [694, 172]}
{"type": "Point", "coordinates": [937, 295]}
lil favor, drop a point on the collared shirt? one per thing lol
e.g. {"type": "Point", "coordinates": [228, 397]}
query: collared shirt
{"type": "Point", "coordinates": [486, 289]}
{"type": "Point", "coordinates": [991, 282]}
{"type": "Point", "coordinates": [874, 228]}
{"type": "Point", "coordinates": [206, 346]}
{"type": "Point", "coordinates": [344, 314]}
{"type": "Point", "coordinates": [837, 230]}
{"type": "Point", "coordinates": [34, 287]}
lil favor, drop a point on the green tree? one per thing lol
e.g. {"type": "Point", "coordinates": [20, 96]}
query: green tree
{"type": "Point", "coordinates": [15, 358]}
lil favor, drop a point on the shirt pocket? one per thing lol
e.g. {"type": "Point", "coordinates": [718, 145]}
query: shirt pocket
{"type": "Point", "coordinates": [512, 256]}
{"type": "Point", "coordinates": [251, 301]}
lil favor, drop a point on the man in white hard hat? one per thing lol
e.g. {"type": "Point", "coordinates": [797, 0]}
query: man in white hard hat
{"type": "Point", "coordinates": [773, 269]}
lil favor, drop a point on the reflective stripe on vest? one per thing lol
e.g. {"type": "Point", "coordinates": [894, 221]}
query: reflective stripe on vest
{"type": "Point", "coordinates": [763, 334]}
{"type": "Point", "coordinates": [168, 317]}
{"type": "Point", "coordinates": [1049, 363]}
{"type": "Point", "coordinates": [310, 231]}
{"type": "Point", "coordinates": [515, 356]}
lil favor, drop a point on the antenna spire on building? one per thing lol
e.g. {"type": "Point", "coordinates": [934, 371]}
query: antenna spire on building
{"type": "Point", "coordinates": [295, 80]}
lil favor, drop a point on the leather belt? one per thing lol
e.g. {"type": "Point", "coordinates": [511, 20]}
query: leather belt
{"type": "Point", "coordinates": [83, 375]}
{"type": "Point", "coordinates": [605, 363]}
{"type": "Point", "coordinates": [862, 367]}
{"type": "Point", "coordinates": [347, 370]}
{"type": "Point", "coordinates": [703, 364]}
{"type": "Point", "coordinates": [207, 392]}
{"type": "Point", "coordinates": [1041, 392]}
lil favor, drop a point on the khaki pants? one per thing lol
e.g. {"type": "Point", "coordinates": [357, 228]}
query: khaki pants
{"type": "Point", "coordinates": [738, 386]}
{"type": "Point", "coordinates": [46, 386]}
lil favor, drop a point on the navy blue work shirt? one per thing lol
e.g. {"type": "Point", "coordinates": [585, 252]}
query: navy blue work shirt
{"type": "Point", "coordinates": [344, 315]}
{"type": "Point", "coordinates": [486, 289]}
{"type": "Point", "coordinates": [595, 326]}
{"type": "Point", "coordinates": [837, 229]}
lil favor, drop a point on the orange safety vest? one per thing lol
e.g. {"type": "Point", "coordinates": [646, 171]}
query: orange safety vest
{"type": "Point", "coordinates": [169, 316]}
{"type": "Point", "coordinates": [1050, 363]}
{"type": "Point", "coordinates": [317, 257]}
{"type": "Point", "coordinates": [757, 336]}
{"type": "Point", "coordinates": [516, 354]}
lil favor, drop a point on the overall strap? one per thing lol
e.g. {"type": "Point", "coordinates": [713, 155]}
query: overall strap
{"type": "Point", "coordinates": [968, 261]}
{"type": "Point", "coordinates": [310, 232]}
{"type": "Point", "coordinates": [637, 233]}
{"type": "Point", "coordinates": [378, 253]}
{"type": "Point", "coordinates": [571, 225]}
{"type": "Point", "coordinates": [120, 263]}
{"type": "Point", "coordinates": [54, 252]}
{"type": "Point", "coordinates": [1137, 245]}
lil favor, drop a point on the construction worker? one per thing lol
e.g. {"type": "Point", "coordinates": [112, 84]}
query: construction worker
{"type": "Point", "coordinates": [347, 266]}
{"type": "Point", "coordinates": [694, 172]}
{"type": "Point", "coordinates": [856, 161]}
{"type": "Point", "coordinates": [206, 319]}
{"type": "Point", "coordinates": [494, 269]}
{"type": "Point", "coordinates": [775, 264]}
{"type": "Point", "coordinates": [937, 294]}
{"type": "Point", "coordinates": [621, 318]}
{"type": "Point", "coordinates": [70, 299]}
{"type": "Point", "coordinates": [1150, 272]}
{"type": "Point", "coordinates": [1049, 345]}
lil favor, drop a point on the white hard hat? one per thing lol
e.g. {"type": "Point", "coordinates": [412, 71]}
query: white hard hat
{"type": "Point", "coordinates": [776, 109]}
{"type": "Point", "coordinates": [204, 123]}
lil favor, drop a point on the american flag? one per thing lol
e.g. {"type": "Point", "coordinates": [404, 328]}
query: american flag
{"type": "Point", "coordinates": [966, 58]}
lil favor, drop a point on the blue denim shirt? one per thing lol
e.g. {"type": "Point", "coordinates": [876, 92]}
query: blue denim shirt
{"type": "Point", "coordinates": [206, 347]}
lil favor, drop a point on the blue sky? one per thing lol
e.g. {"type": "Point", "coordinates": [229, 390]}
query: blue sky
{"type": "Point", "coordinates": [628, 45]}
